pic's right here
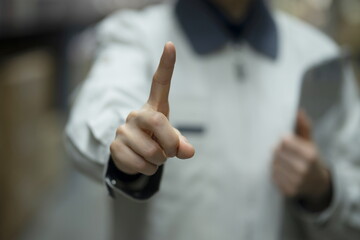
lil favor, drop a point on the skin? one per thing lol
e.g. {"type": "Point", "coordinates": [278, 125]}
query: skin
{"type": "Point", "coordinates": [298, 170]}
{"type": "Point", "coordinates": [147, 138]}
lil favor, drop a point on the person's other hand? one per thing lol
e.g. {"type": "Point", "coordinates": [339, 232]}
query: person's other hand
{"type": "Point", "coordinates": [298, 170]}
{"type": "Point", "coordinates": [147, 138]}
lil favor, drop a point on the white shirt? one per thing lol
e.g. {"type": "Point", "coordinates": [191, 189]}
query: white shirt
{"type": "Point", "coordinates": [225, 191]}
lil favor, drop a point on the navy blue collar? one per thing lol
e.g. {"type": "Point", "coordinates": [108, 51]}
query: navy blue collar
{"type": "Point", "coordinates": [207, 31]}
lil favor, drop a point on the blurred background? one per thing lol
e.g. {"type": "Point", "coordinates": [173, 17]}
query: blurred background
{"type": "Point", "coordinates": [46, 50]}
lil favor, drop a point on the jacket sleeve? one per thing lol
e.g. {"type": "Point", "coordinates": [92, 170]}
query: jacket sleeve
{"type": "Point", "coordinates": [342, 218]}
{"type": "Point", "coordinates": [117, 84]}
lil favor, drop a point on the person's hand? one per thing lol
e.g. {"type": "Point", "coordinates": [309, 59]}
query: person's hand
{"type": "Point", "coordinates": [298, 170]}
{"type": "Point", "coordinates": [147, 138]}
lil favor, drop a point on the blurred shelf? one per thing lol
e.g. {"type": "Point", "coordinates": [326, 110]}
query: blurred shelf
{"type": "Point", "coordinates": [22, 18]}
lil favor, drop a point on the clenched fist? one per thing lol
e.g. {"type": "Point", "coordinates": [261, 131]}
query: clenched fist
{"type": "Point", "coordinates": [147, 138]}
{"type": "Point", "coordinates": [298, 170]}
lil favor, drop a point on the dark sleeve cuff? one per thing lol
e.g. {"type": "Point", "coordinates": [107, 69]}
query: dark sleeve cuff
{"type": "Point", "coordinates": [138, 187]}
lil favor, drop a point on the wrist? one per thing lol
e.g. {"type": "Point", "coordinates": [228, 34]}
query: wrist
{"type": "Point", "coordinates": [321, 196]}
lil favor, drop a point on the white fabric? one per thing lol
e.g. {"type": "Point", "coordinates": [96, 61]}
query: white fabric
{"type": "Point", "coordinates": [225, 191]}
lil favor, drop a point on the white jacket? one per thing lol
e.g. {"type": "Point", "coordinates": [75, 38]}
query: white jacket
{"type": "Point", "coordinates": [224, 192]}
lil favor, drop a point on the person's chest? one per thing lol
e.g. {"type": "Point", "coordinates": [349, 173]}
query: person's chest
{"type": "Point", "coordinates": [235, 104]}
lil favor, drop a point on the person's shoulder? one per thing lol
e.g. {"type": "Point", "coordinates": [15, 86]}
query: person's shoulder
{"type": "Point", "coordinates": [305, 39]}
{"type": "Point", "coordinates": [130, 23]}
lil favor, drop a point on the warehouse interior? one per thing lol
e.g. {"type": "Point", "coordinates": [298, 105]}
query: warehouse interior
{"type": "Point", "coordinates": [46, 51]}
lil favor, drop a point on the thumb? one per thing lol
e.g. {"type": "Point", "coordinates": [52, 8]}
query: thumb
{"type": "Point", "coordinates": [303, 125]}
{"type": "Point", "coordinates": [160, 86]}
{"type": "Point", "coordinates": [185, 149]}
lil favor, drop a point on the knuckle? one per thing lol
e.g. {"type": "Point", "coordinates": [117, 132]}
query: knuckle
{"type": "Point", "coordinates": [285, 141]}
{"type": "Point", "coordinates": [118, 161]}
{"type": "Point", "coordinates": [113, 147]}
{"type": "Point", "coordinates": [132, 115]}
{"type": "Point", "coordinates": [151, 170]}
{"type": "Point", "coordinates": [116, 151]}
{"type": "Point", "coordinates": [116, 147]}
{"type": "Point", "coordinates": [140, 166]}
{"type": "Point", "coordinates": [277, 150]}
{"type": "Point", "coordinates": [146, 168]}
{"type": "Point", "coordinates": [311, 156]}
{"type": "Point", "coordinates": [121, 130]}
{"type": "Point", "coordinates": [150, 151]}
{"type": "Point", "coordinates": [157, 119]}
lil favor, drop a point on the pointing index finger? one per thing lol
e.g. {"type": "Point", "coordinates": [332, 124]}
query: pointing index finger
{"type": "Point", "coordinates": [160, 87]}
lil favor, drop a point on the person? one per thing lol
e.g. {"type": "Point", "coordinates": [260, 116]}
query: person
{"type": "Point", "coordinates": [234, 98]}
